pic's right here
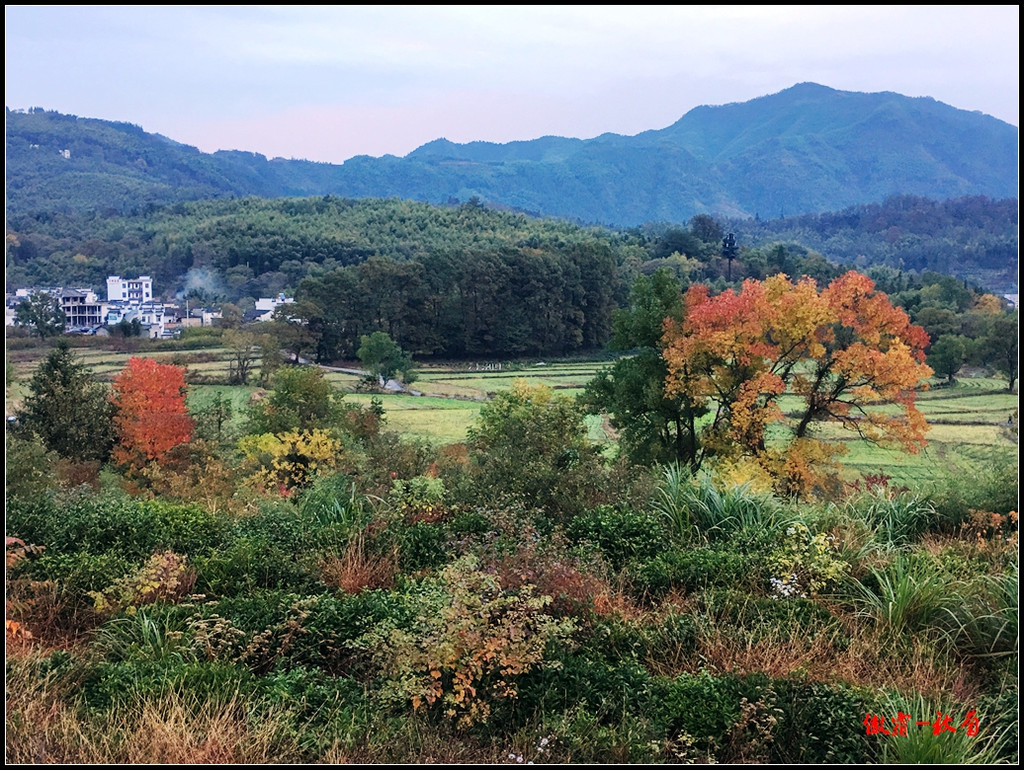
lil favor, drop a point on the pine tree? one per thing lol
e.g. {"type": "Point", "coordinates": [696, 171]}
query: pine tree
{"type": "Point", "coordinates": [69, 412]}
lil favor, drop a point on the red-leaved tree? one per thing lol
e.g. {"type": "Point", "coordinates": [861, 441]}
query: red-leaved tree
{"type": "Point", "coordinates": [151, 417]}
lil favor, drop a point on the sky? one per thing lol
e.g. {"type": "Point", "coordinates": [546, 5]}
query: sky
{"type": "Point", "coordinates": [328, 83]}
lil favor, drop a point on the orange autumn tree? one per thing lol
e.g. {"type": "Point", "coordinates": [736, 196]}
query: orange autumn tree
{"type": "Point", "coordinates": [150, 417]}
{"type": "Point", "coordinates": [852, 357]}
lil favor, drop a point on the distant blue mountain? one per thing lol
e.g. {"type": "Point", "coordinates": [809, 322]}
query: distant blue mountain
{"type": "Point", "coordinates": [806, 149]}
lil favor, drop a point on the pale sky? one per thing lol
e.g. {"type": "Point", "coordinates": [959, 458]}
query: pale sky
{"type": "Point", "coordinates": [328, 83]}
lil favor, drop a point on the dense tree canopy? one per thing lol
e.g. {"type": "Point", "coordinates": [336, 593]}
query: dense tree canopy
{"type": "Point", "coordinates": [41, 312]}
{"type": "Point", "coordinates": [653, 426]}
{"type": "Point", "coordinates": [301, 400]}
{"type": "Point", "coordinates": [151, 417]}
{"type": "Point", "coordinates": [533, 444]}
{"type": "Point", "coordinates": [845, 351]}
{"type": "Point", "coordinates": [384, 358]}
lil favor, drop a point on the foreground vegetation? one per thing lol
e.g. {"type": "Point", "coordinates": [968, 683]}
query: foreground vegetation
{"type": "Point", "coordinates": [506, 593]}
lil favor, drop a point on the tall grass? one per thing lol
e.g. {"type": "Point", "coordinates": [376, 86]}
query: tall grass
{"type": "Point", "coordinates": [921, 745]}
{"type": "Point", "coordinates": [694, 506]}
{"type": "Point", "coordinates": [908, 596]}
{"type": "Point", "coordinates": [986, 626]}
{"type": "Point", "coordinates": [897, 520]}
{"type": "Point", "coordinates": [144, 635]}
{"type": "Point", "coordinates": [175, 729]}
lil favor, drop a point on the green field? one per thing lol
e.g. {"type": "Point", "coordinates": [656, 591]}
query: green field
{"type": "Point", "coordinates": [968, 420]}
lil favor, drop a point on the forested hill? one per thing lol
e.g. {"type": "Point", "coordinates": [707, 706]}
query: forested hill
{"type": "Point", "coordinates": [806, 149]}
{"type": "Point", "coordinates": [971, 238]}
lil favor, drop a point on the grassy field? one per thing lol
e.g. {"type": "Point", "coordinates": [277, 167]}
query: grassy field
{"type": "Point", "coordinates": [437, 420]}
{"type": "Point", "coordinates": [968, 420]}
{"type": "Point", "coordinates": [969, 429]}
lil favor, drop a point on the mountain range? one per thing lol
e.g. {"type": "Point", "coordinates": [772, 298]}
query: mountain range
{"type": "Point", "coordinates": [806, 149]}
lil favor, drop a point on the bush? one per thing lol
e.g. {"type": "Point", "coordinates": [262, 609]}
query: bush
{"type": "Point", "coordinates": [78, 573]}
{"type": "Point", "coordinates": [993, 487]}
{"type": "Point", "coordinates": [605, 690]}
{"type": "Point", "coordinates": [252, 563]}
{"type": "Point", "coordinates": [469, 643]}
{"type": "Point", "coordinates": [577, 736]}
{"type": "Point", "coordinates": [533, 444]}
{"type": "Point", "coordinates": [323, 712]}
{"type": "Point", "coordinates": [821, 724]}
{"type": "Point", "coordinates": [122, 685]}
{"type": "Point", "coordinates": [702, 710]}
{"type": "Point", "coordinates": [277, 630]}
{"type": "Point", "coordinates": [695, 569]}
{"type": "Point", "coordinates": [132, 529]}
{"type": "Point", "coordinates": [30, 472]}
{"type": "Point", "coordinates": [615, 639]}
{"type": "Point", "coordinates": [622, 535]}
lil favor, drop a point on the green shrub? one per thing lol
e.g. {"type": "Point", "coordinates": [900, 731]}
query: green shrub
{"type": "Point", "coordinates": [277, 630]}
{"type": "Point", "coordinates": [30, 470]}
{"type": "Point", "coordinates": [469, 523]}
{"type": "Point", "coordinates": [695, 569]}
{"type": "Point", "coordinates": [469, 643]}
{"type": "Point", "coordinates": [422, 546]}
{"type": "Point", "coordinates": [701, 710]}
{"type": "Point", "coordinates": [615, 639]}
{"type": "Point", "coordinates": [280, 526]}
{"type": "Point", "coordinates": [605, 690]}
{"type": "Point", "coordinates": [249, 564]}
{"type": "Point", "coordinates": [993, 487]}
{"type": "Point", "coordinates": [622, 535]}
{"type": "Point", "coordinates": [124, 684]}
{"type": "Point", "coordinates": [322, 712]}
{"type": "Point", "coordinates": [78, 573]}
{"type": "Point", "coordinates": [133, 529]}
{"type": "Point", "coordinates": [821, 724]}
{"type": "Point", "coordinates": [579, 737]}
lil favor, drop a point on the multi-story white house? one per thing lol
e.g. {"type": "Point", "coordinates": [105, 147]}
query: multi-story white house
{"type": "Point", "coordinates": [149, 314]}
{"type": "Point", "coordinates": [132, 290]}
{"type": "Point", "coordinates": [265, 306]}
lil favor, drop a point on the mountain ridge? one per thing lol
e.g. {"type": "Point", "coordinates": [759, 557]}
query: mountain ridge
{"type": "Point", "coordinates": [808, 148]}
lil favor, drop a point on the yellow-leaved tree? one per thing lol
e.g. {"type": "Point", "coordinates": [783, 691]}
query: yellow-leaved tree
{"type": "Point", "coordinates": [850, 355]}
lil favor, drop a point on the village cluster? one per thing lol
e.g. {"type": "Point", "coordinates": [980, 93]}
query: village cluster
{"type": "Point", "coordinates": [130, 301]}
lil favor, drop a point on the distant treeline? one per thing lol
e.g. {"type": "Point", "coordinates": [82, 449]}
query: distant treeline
{"type": "Point", "coordinates": [973, 238]}
{"type": "Point", "coordinates": [465, 279]}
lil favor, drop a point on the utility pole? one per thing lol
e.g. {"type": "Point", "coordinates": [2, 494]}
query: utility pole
{"type": "Point", "coordinates": [730, 251]}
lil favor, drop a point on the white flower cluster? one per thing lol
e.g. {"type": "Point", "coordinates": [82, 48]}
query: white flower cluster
{"type": "Point", "coordinates": [518, 758]}
{"type": "Point", "coordinates": [786, 588]}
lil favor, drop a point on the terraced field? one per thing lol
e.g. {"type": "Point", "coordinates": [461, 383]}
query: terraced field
{"type": "Point", "coordinates": [970, 420]}
{"type": "Point", "coordinates": [970, 426]}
